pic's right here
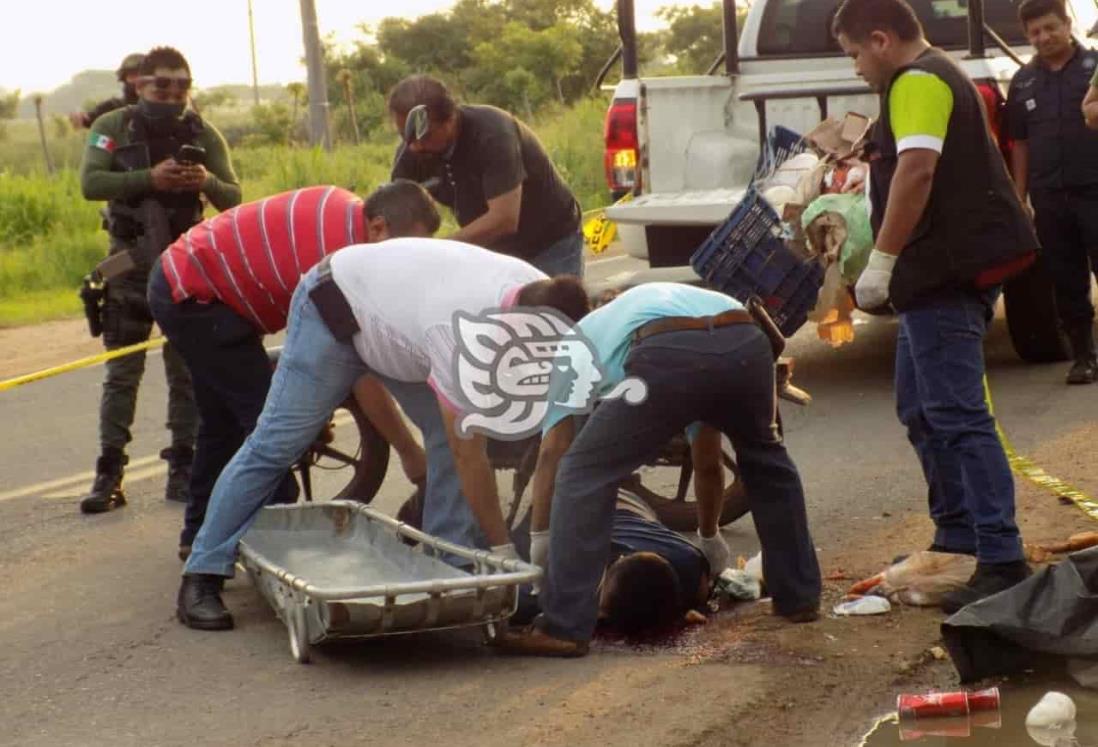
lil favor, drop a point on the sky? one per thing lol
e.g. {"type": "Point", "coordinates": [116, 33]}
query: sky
{"type": "Point", "coordinates": [48, 41]}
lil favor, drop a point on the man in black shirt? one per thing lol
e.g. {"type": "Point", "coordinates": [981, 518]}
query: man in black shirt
{"type": "Point", "coordinates": [1055, 160]}
{"type": "Point", "coordinates": [491, 170]}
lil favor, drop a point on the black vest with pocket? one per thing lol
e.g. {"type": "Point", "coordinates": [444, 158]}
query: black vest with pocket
{"type": "Point", "coordinates": [973, 232]}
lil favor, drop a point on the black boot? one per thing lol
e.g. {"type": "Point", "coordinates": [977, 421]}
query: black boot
{"type": "Point", "coordinates": [179, 460]}
{"type": "Point", "coordinates": [199, 604]}
{"type": "Point", "coordinates": [989, 578]}
{"type": "Point", "coordinates": [1085, 368]}
{"type": "Point", "coordinates": [106, 492]}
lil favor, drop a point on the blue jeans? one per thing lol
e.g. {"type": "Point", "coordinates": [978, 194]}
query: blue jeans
{"type": "Point", "coordinates": [231, 374]}
{"type": "Point", "coordinates": [940, 399]}
{"type": "Point", "coordinates": [446, 513]}
{"type": "Point", "coordinates": [563, 257]}
{"type": "Point", "coordinates": [315, 374]}
{"type": "Point", "coordinates": [723, 377]}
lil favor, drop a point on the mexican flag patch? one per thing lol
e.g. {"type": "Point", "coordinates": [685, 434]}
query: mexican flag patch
{"type": "Point", "coordinates": [102, 142]}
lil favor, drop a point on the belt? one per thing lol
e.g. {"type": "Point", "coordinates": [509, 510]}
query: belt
{"type": "Point", "coordinates": [332, 305]}
{"type": "Point", "coordinates": [679, 323]}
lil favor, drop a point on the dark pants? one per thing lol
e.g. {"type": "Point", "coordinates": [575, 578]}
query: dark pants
{"type": "Point", "coordinates": [127, 321]}
{"type": "Point", "coordinates": [940, 398]}
{"type": "Point", "coordinates": [231, 375]}
{"type": "Point", "coordinates": [1067, 225]}
{"type": "Point", "coordinates": [724, 378]}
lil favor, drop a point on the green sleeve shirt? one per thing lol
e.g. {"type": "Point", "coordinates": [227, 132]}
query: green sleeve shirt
{"type": "Point", "coordinates": [919, 106]}
{"type": "Point", "coordinates": [99, 182]}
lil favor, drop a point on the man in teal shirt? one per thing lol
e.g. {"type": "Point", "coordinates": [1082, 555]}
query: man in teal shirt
{"type": "Point", "coordinates": [670, 356]}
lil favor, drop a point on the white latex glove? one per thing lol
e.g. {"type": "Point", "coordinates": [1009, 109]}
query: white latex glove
{"type": "Point", "coordinates": [539, 548]}
{"type": "Point", "coordinates": [872, 287]}
{"type": "Point", "coordinates": [505, 551]}
{"type": "Point", "coordinates": [539, 553]}
{"type": "Point", "coordinates": [716, 552]}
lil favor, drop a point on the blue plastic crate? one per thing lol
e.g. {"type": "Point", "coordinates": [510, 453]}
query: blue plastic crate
{"type": "Point", "coordinates": [746, 256]}
{"type": "Point", "coordinates": [781, 144]}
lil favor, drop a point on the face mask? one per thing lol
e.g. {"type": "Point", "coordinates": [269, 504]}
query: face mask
{"type": "Point", "coordinates": [160, 110]}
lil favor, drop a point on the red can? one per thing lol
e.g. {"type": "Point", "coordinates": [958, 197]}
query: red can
{"type": "Point", "coordinates": [984, 700]}
{"type": "Point", "coordinates": [932, 705]}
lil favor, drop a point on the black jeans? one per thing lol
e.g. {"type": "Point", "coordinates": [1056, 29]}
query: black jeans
{"type": "Point", "coordinates": [1067, 225]}
{"type": "Point", "coordinates": [723, 377]}
{"type": "Point", "coordinates": [231, 375]}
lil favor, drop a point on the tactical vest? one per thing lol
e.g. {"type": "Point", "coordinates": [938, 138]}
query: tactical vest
{"type": "Point", "coordinates": [973, 232]}
{"type": "Point", "coordinates": [146, 148]}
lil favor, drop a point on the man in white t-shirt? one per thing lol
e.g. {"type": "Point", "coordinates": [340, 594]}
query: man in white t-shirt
{"type": "Point", "coordinates": [387, 309]}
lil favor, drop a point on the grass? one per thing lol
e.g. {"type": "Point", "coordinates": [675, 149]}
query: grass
{"type": "Point", "coordinates": [34, 307]}
{"type": "Point", "coordinates": [50, 237]}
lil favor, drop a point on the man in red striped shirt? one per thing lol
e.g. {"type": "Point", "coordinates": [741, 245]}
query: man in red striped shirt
{"type": "Point", "coordinates": [228, 281]}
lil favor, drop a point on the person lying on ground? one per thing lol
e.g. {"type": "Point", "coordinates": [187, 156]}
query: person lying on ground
{"type": "Point", "coordinates": [654, 582]}
{"type": "Point", "coordinates": [388, 309]}
{"type": "Point", "coordinates": [228, 281]}
{"type": "Point", "coordinates": [696, 356]}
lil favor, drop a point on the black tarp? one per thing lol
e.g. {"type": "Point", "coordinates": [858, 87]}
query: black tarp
{"type": "Point", "coordinates": [1050, 617]}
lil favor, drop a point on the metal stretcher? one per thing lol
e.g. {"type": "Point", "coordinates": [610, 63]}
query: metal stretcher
{"type": "Point", "coordinates": [342, 570]}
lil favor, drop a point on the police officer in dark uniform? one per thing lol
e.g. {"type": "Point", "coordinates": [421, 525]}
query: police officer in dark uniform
{"type": "Point", "coordinates": [1055, 160]}
{"type": "Point", "coordinates": [153, 162]}
{"type": "Point", "coordinates": [127, 75]}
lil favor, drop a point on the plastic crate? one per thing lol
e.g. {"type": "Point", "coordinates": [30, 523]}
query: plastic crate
{"type": "Point", "coordinates": [746, 256]}
{"type": "Point", "coordinates": [781, 144]}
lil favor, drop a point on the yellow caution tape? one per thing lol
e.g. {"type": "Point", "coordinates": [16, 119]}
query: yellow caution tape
{"type": "Point", "coordinates": [599, 231]}
{"type": "Point", "coordinates": [91, 360]}
{"type": "Point", "coordinates": [1025, 467]}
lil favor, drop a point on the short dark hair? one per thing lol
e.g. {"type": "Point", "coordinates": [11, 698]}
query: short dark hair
{"type": "Point", "coordinates": [565, 293]}
{"type": "Point", "coordinates": [641, 595]}
{"type": "Point", "coordinates": [422, 89]}
{"type": "Point", "coordinates": [166, 57]}
{"type": "Point", "coordinates": [1031, 10]}
{"type": "Point", "coordinates": [405, 206]}
{"type": "Point", "coordinates": [857, 19]}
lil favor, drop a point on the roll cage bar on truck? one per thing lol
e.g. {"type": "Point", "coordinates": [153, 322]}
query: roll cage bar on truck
{"type": "Point", "coordinates": [684, 148]}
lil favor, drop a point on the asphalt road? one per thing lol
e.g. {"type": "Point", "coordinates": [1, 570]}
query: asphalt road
{"type": "Point", "coordinates": [90, 652]}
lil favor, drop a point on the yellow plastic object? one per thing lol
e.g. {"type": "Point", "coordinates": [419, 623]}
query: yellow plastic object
{"type": "Point", "coordinates": [599, 231]}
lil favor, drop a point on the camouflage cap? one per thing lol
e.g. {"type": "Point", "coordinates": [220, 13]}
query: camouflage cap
{"type": "Point", "coordinates": [130, 64]}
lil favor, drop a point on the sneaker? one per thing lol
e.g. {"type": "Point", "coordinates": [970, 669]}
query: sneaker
{"type": "Point", "coordinates": [989, 579]}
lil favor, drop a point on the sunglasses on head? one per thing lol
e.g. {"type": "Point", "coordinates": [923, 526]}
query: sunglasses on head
{"type": "Point", "coordinates": [164, 83]}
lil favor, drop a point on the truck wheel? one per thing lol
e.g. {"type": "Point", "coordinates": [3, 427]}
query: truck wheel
{"type": "Point", "coordinates": [371, 462]}
{"type": "Point", "coordinates": [1031, 317]}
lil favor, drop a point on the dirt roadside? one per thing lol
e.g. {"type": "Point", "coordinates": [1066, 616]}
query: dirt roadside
{"type": "Point", "coordinates": [758, 680]}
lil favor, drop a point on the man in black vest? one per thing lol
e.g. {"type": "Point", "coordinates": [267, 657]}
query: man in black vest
{"type": "Point", "coordinates": [1055, 159]}
{"type": "Point", "coordinates": [948, 228]}
{"type": "Point", "coordinates": [137, 160]}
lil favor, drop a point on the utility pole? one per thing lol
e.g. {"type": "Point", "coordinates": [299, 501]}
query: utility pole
{"type": "Point", "coordinates": [318, 85]}
{"type": "Point", "coordinates": [255, 68]}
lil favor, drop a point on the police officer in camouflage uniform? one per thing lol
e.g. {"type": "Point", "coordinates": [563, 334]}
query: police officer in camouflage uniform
{"type": "Point", "coordinates": [127, 72]}
{"type": "Point", "coordinates": [135, 159]}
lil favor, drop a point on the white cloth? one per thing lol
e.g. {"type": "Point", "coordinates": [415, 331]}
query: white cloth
{"type": "Point", "coordinates": [404, 294]}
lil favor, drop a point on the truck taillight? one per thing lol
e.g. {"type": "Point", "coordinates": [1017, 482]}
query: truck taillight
{"type": "Point", "coordinates": [620, 135]}
{"type": "Point", "coordinates": [995, 105]}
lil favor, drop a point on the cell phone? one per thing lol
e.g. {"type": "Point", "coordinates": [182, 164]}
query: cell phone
{"type": "Point", "coordinates": [190, 155]}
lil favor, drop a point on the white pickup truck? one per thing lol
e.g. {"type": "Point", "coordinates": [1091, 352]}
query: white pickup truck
{"type": "Point", "coordinates": [686, 146]}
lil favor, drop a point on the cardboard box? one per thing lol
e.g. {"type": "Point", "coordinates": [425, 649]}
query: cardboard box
{"type": "Point", "coordinates": [840, 139]}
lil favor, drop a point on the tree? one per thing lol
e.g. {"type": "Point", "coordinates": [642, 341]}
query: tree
{"type": "Point", "coordinates": [544, 58]}
{"type": "Point", "coordinates": [694, 36]}
{"type": "Point", "coordinates": [9, 104]}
